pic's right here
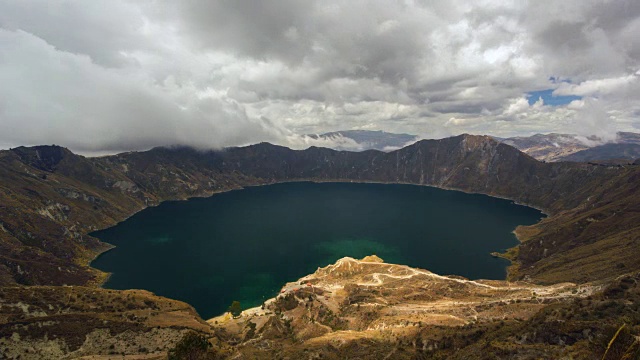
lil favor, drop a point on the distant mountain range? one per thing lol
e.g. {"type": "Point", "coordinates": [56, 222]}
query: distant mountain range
{"type": "Point", "coordinates": [547, 147]}
{"type": "Point", "coordinates": [544, 147]}
{"type": "Point", "coordinates": [569, 147]}
{"type": "Point", "coordinates": [360, 140]}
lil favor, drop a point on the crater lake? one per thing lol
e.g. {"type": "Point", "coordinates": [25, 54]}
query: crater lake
{"type": "Point", "coordinates": [246, 244]}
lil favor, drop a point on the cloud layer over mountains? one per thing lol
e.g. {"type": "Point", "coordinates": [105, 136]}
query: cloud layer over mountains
{"type": "Point", "coordinates": [112, 75]}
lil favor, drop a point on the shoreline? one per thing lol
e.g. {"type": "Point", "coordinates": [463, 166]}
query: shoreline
{"type": "Point", "coordinates": [207, 194]}
{"type": "Point", "coordinates": [110, 246]}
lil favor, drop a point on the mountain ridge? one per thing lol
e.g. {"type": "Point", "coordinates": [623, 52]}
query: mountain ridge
{"type": "Point", "coordinates": [465, 162]}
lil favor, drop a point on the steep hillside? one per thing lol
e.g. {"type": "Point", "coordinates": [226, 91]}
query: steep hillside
{"type": "Point", "coordinates": [606, 152]}
{"type": "Point", "coordinates": [50, 199]}
{"type": "Point", "coordinates": [588, 241]}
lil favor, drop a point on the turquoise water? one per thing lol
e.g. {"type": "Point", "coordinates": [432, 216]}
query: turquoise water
{"type": "Point", "coordinates": [244, 245]}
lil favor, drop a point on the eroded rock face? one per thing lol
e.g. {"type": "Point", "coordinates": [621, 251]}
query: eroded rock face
{"type": "Point", "coordinates": [374, 296]}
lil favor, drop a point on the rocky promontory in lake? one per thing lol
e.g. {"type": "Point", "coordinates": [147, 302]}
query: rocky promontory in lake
{"type": "Point", "coordinates": [51, 199]}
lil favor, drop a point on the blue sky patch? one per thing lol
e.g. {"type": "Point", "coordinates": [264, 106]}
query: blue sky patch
{"type": "Point", "coordinates": [549, 98]}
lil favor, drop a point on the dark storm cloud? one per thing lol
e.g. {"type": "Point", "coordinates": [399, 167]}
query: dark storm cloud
{"type": "Point", "coordinates": [614, 16]}
{"type": "Point", "coordinates": [564, 36]}
{"type": "Point", "coordinates": [338, 40]}
{"type": "Point", "coordinates": [589, 38]}
{"type": "Point", "coordinates": [259, 29]}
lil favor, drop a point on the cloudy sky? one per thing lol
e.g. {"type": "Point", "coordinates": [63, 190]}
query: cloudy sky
{"type": "Point", "coordinates": [112, 75]}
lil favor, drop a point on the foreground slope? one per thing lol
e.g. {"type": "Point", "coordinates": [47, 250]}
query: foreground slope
{"type": "Point", "coordinates": [53, 322]}
{"type": "Point", "coordinates": [370, 309]}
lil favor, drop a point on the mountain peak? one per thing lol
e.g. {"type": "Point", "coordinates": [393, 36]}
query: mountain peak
{"type": "Point", "coordinates": [43, 157]}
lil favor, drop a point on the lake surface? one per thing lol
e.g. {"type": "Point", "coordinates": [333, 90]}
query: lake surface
{"type": "Point", "coordinates": [244, 245]}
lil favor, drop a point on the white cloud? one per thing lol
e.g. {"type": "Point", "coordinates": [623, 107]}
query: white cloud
{"type": "Point", "coordinates": [517, 106]}
{"type": "Point", "coordinates": [115, 75]}
{"type": "Point", "coordinates": [336, 141]}
{"type": "Point", "coordinates": [91, 108]}
{"type": "Point", "coordinates": [597, 86]}
{"type": "Point", "coordinates": [595, 120]}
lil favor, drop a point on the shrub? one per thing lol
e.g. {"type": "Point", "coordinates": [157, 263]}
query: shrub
{"type": "Point", "coordinates": [235, 309]}
{"type": "Point", "coordinates": [192, 346]}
